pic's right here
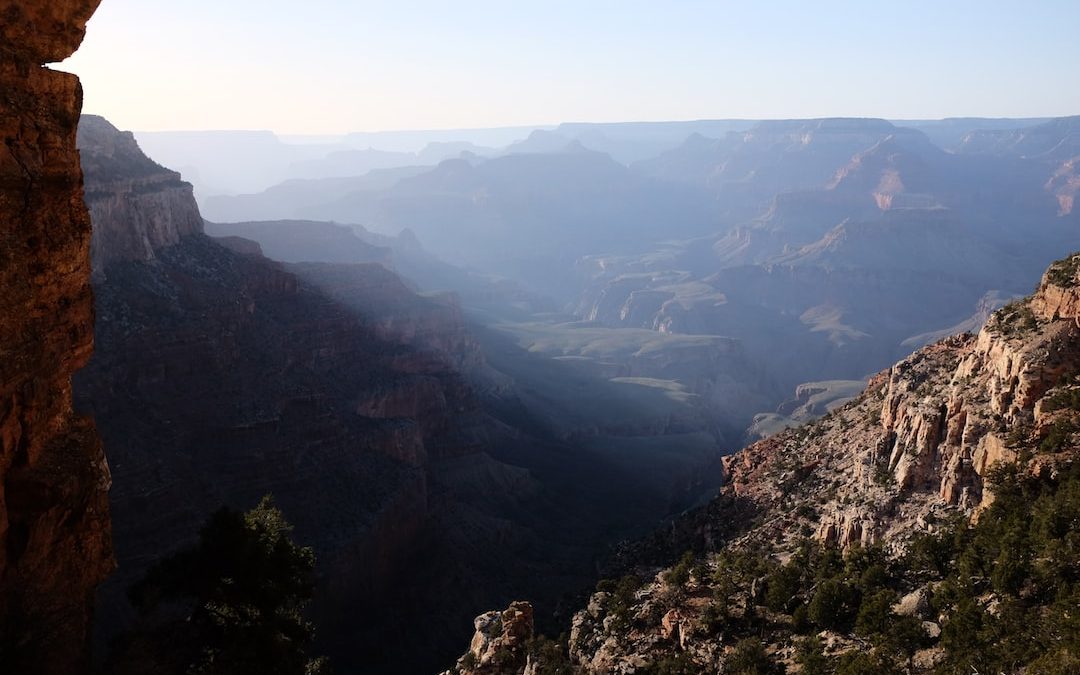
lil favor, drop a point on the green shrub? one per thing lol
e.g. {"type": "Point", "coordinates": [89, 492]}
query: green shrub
{"type": "Point", "coordinates": [1066, 399]}
{"type": "Point", "coordinates": [1058, 436]}
{"type": "Point", "coordinates": [811, 656]}
{"type": "Point", "coordinates": [749, 658]}
{"type": "Point", "coordinates": [800, 620]}
{"type": "Point", "coordinates": [679, 575]}
{"type": "Point", "coordinates": [1063, 272]}
{"type": "Point", "coordinates": [621, 603]}
{"type": "Point", "coordinates": [783, 587]}
{"type": "Point", "coordinates": [858, 662]}
{"type": "Point", "coordinates": [875, 614]}
{"type": "Point", "coordinates": [550, 657]}
{"type": "Point", "coordinates": [834, 605]}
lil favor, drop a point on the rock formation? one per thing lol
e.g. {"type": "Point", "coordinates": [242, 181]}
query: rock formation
{"type": "Point", "coordinates": [500, 643]}
{"type": "Point", "coordinates": [54, 520]}
{"type": "Point", "coordinates": [136, 205]}
{"type": "Point", "coordinates": [920, 440]}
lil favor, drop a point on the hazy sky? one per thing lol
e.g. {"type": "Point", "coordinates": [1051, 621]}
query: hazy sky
{"type": "Point", "coordinates": [330, 66]}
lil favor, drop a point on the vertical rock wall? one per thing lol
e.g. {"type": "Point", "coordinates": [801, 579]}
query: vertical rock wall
{"type": "Point", "coordinates": [54, 525]}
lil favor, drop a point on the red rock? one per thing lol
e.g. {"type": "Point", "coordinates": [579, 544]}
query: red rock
{"type": "Point", "coordinates": [54, 520]}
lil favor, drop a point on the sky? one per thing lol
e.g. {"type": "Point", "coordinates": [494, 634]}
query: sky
{"type": "Point", "coordinates": [334, 66]}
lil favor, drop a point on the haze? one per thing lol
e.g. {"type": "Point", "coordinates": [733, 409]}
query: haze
{"type": "Point", "coordinates": [325, 66]}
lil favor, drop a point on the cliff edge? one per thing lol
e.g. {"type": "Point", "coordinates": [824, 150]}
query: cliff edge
{"type": "Point", "coordinates": [54, 521]}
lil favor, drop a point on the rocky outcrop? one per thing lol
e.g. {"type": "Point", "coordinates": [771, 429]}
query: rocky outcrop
{"type": "Point", "coordinates": [922, 439]}
{"type": "Point", "coordinates": [500, 643]}
{"type": "Point", "coordinates": [1058, 297]}
{"type": "Point", "coordinates": [138, 207]}
{"type": "Point", "coordinates": [54, 522]}
{"type": "Point", "coordinates": [912, 453]}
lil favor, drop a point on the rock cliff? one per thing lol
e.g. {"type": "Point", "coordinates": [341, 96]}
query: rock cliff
{"type": "Point", "coordinates": [54, 520]}
{"type": "Point", "coordinates": [136, 205]}
{"type": "Point", "coordinates": [919, 441]}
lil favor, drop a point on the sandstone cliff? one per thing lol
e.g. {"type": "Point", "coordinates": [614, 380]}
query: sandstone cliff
{"type": "Point", "coordinates": [54, 522]}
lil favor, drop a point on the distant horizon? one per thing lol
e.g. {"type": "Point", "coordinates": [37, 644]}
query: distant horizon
{"type": "Point", "coordinates": [555, 125]}
{"type": "Point", "coordinates": [330, 67]}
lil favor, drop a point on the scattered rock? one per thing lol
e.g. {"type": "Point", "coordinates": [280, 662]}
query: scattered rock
{"type": "Point", "coordinates": [915, 603]}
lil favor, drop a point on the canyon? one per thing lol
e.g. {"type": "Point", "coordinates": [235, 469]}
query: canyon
{"type": "Point", "coordinates": [879, 476]}
{"type": "Point", "coordinates": [825, 249]}
{"type": "Point", "coordinates": [427, 481]}
{"type": "Point", "coordinates": [484, 368]}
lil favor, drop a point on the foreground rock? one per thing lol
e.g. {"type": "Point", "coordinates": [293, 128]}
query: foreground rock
{"type": "Point", "coordinates": [500, 644]}
{"type": "Point", "coordinates": [54, 523]}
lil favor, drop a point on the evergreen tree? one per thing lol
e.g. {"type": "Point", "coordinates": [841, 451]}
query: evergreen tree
{"type": "Point", "coordinates": [232, 604]}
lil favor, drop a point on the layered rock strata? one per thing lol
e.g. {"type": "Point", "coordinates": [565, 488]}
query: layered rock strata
{"type": "Point", "coordinates": [54, 519]}
{"type": "Point", "coordinates": [136, 205]}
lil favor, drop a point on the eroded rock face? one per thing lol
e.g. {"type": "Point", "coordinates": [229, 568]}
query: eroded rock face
{"type": "Point", "coordinates": [43, 31]}
{"type": "Point", "coordinates": [922, 439]}
{"type": "Point", "coordinates": [54, 482]}
{"type": "Point", "coordinates": [499, 646]}
{"type": "Point", "coordinates": [137, 206]}
{"type": "Point", "coordinates": [1058, 296]}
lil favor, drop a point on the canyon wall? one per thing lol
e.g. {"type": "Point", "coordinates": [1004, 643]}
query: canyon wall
{"type": "Point", "coordinates": [136, 205]}
{"type": "Point", "coordinates": [54, 519]}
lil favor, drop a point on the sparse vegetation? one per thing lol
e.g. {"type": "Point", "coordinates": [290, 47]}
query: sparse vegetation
{"type": "Point", "coordinates": [1058, 436]}
{"type": "Point", "coordinates": [1014, 319]}
{"type": "Point", "coordinates": [873, 415]}
{"type": "Point", "coordinates": [1006, 590]}
{"type": "Point", "coordinates": [673, 664]}
{"type": "Point", "coordinates": [680, 574]}
{"type": "Point", "coordinates": [811, 656]}
{"type": "Point", "coordinates": [1065, 399]}
{"type": "Point", "coordinates": [621, 601]}
{"type": "Point", "coordinates": [883, 475]}
{"type": "Point", "coordinates": [549, 656]}
{"type": "Point", "coordinates": [749, 658]}
{"type": "Point", "coordinates": [1063, 272]}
